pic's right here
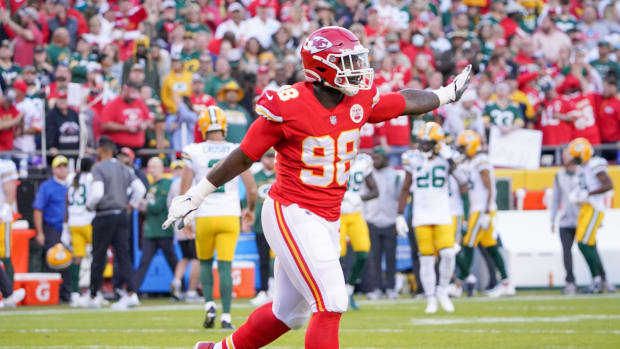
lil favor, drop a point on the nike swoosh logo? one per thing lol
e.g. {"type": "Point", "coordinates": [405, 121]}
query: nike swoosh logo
{"type": "Point", "coordinates": [269, 97]}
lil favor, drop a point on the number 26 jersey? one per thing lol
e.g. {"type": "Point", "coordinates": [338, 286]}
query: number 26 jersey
{"type": "Point", "coordinates": [429, 184]}
{"type": "Point", "coordinates": [315, 145]}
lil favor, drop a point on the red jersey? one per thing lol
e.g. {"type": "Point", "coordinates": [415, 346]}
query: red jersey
{"type": "Point", "coordinates": [131, 115]}
{"type": "Point", "coordinates": [200, 102]}
{"type": "Point", "coordinates": [398, 131]}
{"type": "Point", "coordinates": [608, 116]}
{"type": "Point", "coordinates": [314, 145]}
{"type": "Point", "coordinates": [369, 133]}
{"type": "Point", "coordinates": [130, 21]}
{"type": "Point", "coordinates": [581, 108]}
{"type": "Point", "coordinates": [555, 131]}
{"type": "Point", "coordinates": [6, 136]}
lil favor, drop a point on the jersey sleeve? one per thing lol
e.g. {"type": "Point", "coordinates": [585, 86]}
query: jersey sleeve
{"type": "Point", "coordinates": [262, 135]}
{"type": "Point", "coordinates": [482, 162]}
{"type": "Point", "coordinates": [387, 106]}
{"type": "Point", "coordinates": [267, 107]}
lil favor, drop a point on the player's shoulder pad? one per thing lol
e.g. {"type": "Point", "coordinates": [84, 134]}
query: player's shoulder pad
{"type": "Point", "coordinates": [481, 159]}
{"type": "Point", "coordinates": [411, 158]}
{"type": "Point", "coordinates": [365, 162]}
{"type": "Point", "coordinates": [597, 163]}
{"type": "Point", "coordinates": [268, 104]}
{"type": "Point", "coordinates": [187, 151]}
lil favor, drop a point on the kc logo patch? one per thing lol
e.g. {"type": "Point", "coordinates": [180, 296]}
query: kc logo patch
{"type": "Point", "coordinates": [357, 113]}
{"type": "Point", "coordinates": [318, 44]}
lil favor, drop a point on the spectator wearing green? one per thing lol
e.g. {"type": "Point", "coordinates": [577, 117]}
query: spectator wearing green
{"type": "Point", "coordinates": [189, 54]}
{"type": "Point", "coordinates": [193, 24]}
{"type": "Point", "coordinates": [237, 117]}
{"type": "Point", "coordinates": [8, 69]}
{"type": "Point", "coordinates": [221, 77]}
{"type": "Point", "coordinates": [264, 179]}
{"type": "Point", "coordinates": [503, 113]}
{"type": "Point", "coordinates": [78, 63]}
{"type": "Point", "coordinates": [155, 208]}
{"type": "Point", "coordinates": [603, 65]}
{"type": "Point", "coordinates": [58, 50]}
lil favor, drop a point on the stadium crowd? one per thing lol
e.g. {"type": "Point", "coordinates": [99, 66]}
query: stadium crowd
{"type": "Point", "coordinates": [142, 72]}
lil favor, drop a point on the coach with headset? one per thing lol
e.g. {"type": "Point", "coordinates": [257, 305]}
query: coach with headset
{"type": "Point", "coordinates": [109, 199]}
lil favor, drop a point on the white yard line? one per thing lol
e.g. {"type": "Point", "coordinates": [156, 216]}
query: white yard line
{"type": "Point", "coordinates": [243, 305]}
{"type": "Point", "coordinates": [511, 319]}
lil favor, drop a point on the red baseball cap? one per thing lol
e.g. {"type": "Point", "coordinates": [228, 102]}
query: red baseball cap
{"type": "Point", "coordinates": [263, 3]}
{"type": "Point", "coordinates": [263, 69]}
{"type": "Point", "coordinates": [128, 152]}
{"type": "Point", "coordinates": [61, 94]}
{"type": "Point", "coordinates": [20, 86]}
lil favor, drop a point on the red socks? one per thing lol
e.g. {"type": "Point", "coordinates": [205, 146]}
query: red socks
{"type": "Point", "coordinates": [322, 332]}
{"type": "Point", "coordinates": [261, 329]}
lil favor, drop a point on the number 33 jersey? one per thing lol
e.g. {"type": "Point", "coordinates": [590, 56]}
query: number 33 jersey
{"type": "Point", "coordinates": [315, 146]}
{"type": "Point", "coordinates": [201, 157]}
{"type": "Point", "coordinates": [78, 215]}
{"type": "Point", "coordinates": [429, 184]}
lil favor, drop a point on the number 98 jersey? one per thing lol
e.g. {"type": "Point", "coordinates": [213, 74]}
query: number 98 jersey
{"type": "Point", "coordinates": [315, 146]}
{"type": "Point", "coordinates": [201, 157]}
{"type": "Point", "coordinates": [431, 197]}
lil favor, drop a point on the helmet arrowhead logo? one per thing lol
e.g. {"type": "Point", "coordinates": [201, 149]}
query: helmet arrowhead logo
{"type": "Point", "coordinates": [318, 44]}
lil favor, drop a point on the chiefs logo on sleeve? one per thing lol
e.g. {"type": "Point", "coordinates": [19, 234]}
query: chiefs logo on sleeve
{"type": "Point", "coordinates": [318, 44]}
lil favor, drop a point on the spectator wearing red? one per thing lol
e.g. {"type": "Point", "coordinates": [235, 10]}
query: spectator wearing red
{"type": "Point", "coordinates": [525, 56]}
{"type": "Point", "coordinates": [417, 47]}
{"type": "Point", "coordinates": [578, 109]}
{"type": "Point", "coordinates": [10, 118]}
{"type": "Point", "coordinates": [370, 136]}
{"type": "Point", "coordinates": [129, 17]}
{"type": "Point", "coordinates": [26, 34]}
{"type": "Point", "coordinates": [125, 118]}
{"type": "Point", "coordinates": [609, 111]}
{"type": "Point", "coordinates": [555, 131]}
{"type": "Point", "coordinates": [199, 99]}
{"type": "Point", "coordinates": [397, 132]}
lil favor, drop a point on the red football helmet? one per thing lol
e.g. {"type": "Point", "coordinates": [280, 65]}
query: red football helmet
{"type": "Point", "coordinates": [335, 57]}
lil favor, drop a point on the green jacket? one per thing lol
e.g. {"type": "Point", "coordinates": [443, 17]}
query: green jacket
{"type": "Point", "coordinates": [157, 210]}
{"type": "Point", "coordinates": [264, 180]}
{"type": "Point", "coordinates": [238, 121]}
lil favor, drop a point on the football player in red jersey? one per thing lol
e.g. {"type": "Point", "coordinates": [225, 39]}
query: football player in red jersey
{"type": "Point", "coordinates": [314, 127]}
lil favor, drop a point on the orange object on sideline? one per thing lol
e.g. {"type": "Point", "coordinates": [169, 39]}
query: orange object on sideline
{"type": "Point", "coordinates": [242, 277]}
{"type": "Point", "coordinates": [534, 200]}
{"type": "Point", "coordinates": [20, 250]}
{"type": "Point", "coordinates": [41, 288]}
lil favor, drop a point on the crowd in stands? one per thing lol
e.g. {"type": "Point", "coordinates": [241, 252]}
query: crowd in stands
{"type": "Point", "coordinates": [141, 71]}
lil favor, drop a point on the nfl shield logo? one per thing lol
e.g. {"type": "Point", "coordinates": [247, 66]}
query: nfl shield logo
{"type": "Point", "coordinates": [333, 119]}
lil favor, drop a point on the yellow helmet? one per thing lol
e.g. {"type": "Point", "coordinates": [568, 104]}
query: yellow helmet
{"type": "Point", "coordinates": [212, 119]}
{"type": "Point", "coordinates": [431, 131]}
{"type": "Point", "coordinates": [469, 140]}
{"type": "Point", "coordinates": [58, 257]}
{"type": "Point", "coordinates": [580, 148]}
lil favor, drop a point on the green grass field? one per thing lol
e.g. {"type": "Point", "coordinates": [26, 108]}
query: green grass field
{"type": "Point", "coordinates": [529, 320]}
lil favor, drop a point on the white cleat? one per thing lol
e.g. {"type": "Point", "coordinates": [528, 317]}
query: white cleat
{"type": "Point", "coordinates": [261, 298]}
{"type": "Point", "coordinates": [504, 288]}
{"type": "Point", "coordinates": [16, 297]}
{"type": "Point", "coordinates": [455, 290]}
{"type": "Point", "coordinates": [126, 302]}
{"type": "Point", "coordinates": [444, 301]}
{"type": "Point", "coordinates": [431, 305]}
{"type": "Point", "coordinates": [75, 299]}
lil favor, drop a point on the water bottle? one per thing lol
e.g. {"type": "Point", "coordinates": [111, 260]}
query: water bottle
{"type": "Point", "coordinates": [23, 168]}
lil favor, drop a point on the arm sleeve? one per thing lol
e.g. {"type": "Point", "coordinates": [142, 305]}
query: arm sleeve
{"type": "Point", "coordinates": [137, 192]}
{"type": "Point", "coordinates": [388, 106]}
{"type": "Point", "coordinates": [262, 135]}
{"type": "Point", "coordinates": [555, 200]}
{"type": "Point", "coordinates": [95, 195]}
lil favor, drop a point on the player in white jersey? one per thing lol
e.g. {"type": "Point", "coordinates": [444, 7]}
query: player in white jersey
{"type": "Point", "coordinates": [352, 224]}
{"type": "Point", "coordinates": [594, 183]}
{"type": "Point", "coordinates": [217, 224]}
{"type": "Point", "coordinates": [77, 228]}
{"type": "Point", "coordinates": [427, 178]}
{"type": "Point", "coordinates": [8, 189]}
{"type": "Point", "coordinates": [480, 229]}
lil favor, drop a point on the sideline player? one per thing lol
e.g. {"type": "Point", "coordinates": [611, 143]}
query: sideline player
{"type": "Point", "coordinates": [78, 227]}
{"type": "Point", "coordinates": [314, 127]}
{"type": "Point", "coordinates": [217, 224]}
{"type": "Point", "coordinates": [352, 224]}
{"type": "Point", "coordinates": [480, 229]}
{"type": "Point", "coordinates": [594, 182]}
{"type": "Point", "coordinates": [8, 191]}
{"type": "Point", "coordinates": [427, 177]}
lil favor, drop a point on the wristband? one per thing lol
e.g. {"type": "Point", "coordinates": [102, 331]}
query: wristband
{"type": "Point", "coordinates": [201, 190]}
